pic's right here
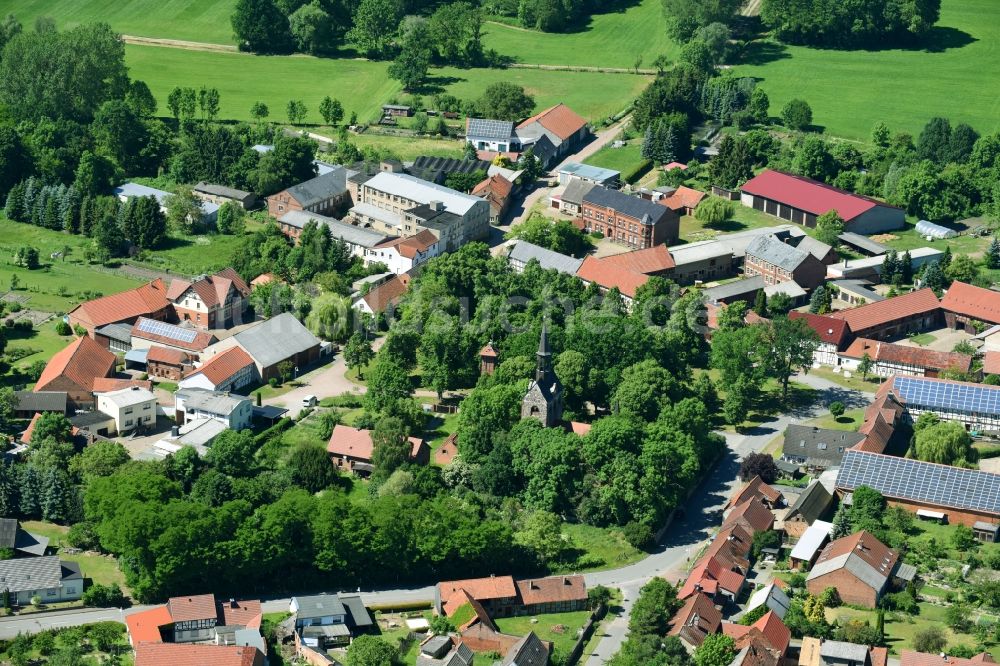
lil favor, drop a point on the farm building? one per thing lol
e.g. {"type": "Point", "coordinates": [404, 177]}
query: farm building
{"type": "Point", "coordinates": [893, 317]}
{"type": "Point", "coordinates": [976, 406]}
{"type": "Point", "coordinates": [860, 566]}
{"type": "Point", "coordinates": [588, 173]}
{"type": "Point", "coordinates": [802, 201]}
{"type": "Point", "coordinates": [892, 359]}
{"type": "Point", "coordinates": [871, 267]}
{"type": "Point", "coordinates": [969, 307]}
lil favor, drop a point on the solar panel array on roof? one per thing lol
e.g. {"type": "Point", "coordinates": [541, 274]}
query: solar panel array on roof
{"type": "Point", "coordinates": [948, 396]}
{"type": "Point", "coordinates": [488, 128]}
{"type": "Point", "coordinates": [904, 478]}
{"type": "Point", "coordinates": [167, 330]}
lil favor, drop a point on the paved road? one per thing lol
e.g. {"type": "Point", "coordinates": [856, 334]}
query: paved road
{"type": "Point", "coordinates": [679, 545]}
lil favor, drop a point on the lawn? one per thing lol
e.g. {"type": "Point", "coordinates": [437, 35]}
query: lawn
{"type": "Point", "coordinates": [850, 420]}
{"type": "Point", "coordinates": [908, 239]}
{"type": "Point", "coordinates": [628, 159]}
{"type": "Point", "coordinates": [744, 218]}
{"type": "Point", "coordinates": [194, 20]}
{"type": "Point", "coordinates": [854, 382]}
{"type": "Point", "coordinates": [409, 148]}
{"type": "Point", "coordinates": [560, 628]}
{"type": "Point", "coordinates": [611, 39]}
{"type": "Point", "coordinates": [600, 548]}
{"type": "Point", "coordinates": [100, 568]}
{"type": "Point", "coordinates": [900, 629]}
{"type": "Point", "coordinates": [193, 255]}
{"type": "Point", "coordinates": [850, 90]}
{"type": "Point", "coordinates": [922, 339]}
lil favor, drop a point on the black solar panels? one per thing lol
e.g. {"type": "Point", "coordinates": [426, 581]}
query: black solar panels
{"type": "Point", "coordinates": [930, 483]}
{"type": "Point", "coordinates": [946, 396]}
{"type": "Point", "coordinates": [166, 330]}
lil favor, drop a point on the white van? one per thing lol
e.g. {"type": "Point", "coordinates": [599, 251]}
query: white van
{"type": "Point", "coordinates": [310, 401]}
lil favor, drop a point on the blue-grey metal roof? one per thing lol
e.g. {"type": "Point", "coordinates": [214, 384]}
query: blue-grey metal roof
{"type": "Point", "coordinates": [349, 233]}
{"type": "Point", "coordinates": [862, 243]}
{"type": "Point", "coordinates": [523, 252]}
{"type": "Point", "coordinates": [136, 356]}
{"type": "Point", "coordinates": [645, 211]}
{"type": "Point", "coordinates": [589, 172]}
{"type": "Point", "coordinates": [744, 287]}
{"type": "Point", "coordinates": [119, 332]}
{"type": "Point", "coordinates": [213, 402]}
{"type": "Point", "coordinates": [129, 190]}
{"type": "Point", "coordinates": [485, 128]}
{"type": "Point", "coordinates": [773, 251]}
{"type": "Point", "coordinates": [575, 190]}
{"type": "Point", "coordinates": [328, 186]}
{"type": "Point", "coordinates": [919, 481]}
{"type": "Point", "coordinates": [276, 339]}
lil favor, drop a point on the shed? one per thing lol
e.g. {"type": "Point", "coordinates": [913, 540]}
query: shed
{"type": "Point", "coordinates": [925, 228]}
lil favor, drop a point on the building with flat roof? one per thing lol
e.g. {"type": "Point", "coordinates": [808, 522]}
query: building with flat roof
{"type": "Point", "coordinates": [195, 403]}
{"type": "Point", "coordinates": [590, 174]}
{"type": "Point", "coordinates": [870, 268]}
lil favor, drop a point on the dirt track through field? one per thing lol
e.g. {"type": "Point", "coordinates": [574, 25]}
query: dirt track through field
{"type": "Point", "coordinates": [179, 44]}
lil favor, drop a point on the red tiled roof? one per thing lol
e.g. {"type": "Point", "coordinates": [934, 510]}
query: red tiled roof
{"type": "Point", "coordinates": [81, 362]}
{"type": "Point", "coordinates": [144, 627]}
{"type": "Point", "coordinates": [696, 619]}
{"type": "Point", "coordinates": [145, 300]}
{"type": "Point", "coordinates": [873, 315]}
{"type": "Point", "coordinates": [108, 384]}
{"type": "Point", "coordinates": [409, 246]}
{"type": "Point", "coordinates": [236, 613]}
{"type": "Point", "coordinates": [809, 195]}
{"type": "Point", "coordinates": [877, 431]}
{"type": "Point", "coordinates": [490, 155]}
{"type": "Point", "coordinates": [578, 428]}
{"type": "Point", "coordinates": [649, 261]}
{"type": "Point", "coordinates": [202, 339]}
{"type": "Point", "coordinates": [263, 278]}
{"type": "Point", "coordinates": [445, 454]}
{"type": "Point", "coordinates": [908, 355]}
{"type": "Point", "coordinates": [388, 293]}
{"type": "Point", "coordinates": [495, 188]}
{"type": "Point", "coordinates": [198, 607]}
{"type": "Point", "coordinates": [684, 197]}
{"type": "Point", "coordinates": [224, 365]}
{"type": "Point", "coordinates": [188, 654]}
{"type": "Point", "coordinates": [710, 574]}
{"type": "Point", "coordinates": [774, 630]}
{"type": "Point", "coordinates": [991, 363]}
{"type": "Point", "coordinates": [607, 275]}
{"type": "Point", "coordinates": [911, 658]}
{"type": "Point", "coordinates": [453, 592]}
{"type": "Point", "coordinates": [753, 514]}
{"type": "Point", "coordinates": [552, 589]}
{"type": "Point", "coordinates": [559, 119]}
{"type": "Point", "coordinates": [755, 487]}
{"type": "Point", "coordinates": [166, 355]}
{"type": "Point", "coordinates": [675, 165]}
{"type": "Point", "coordinates": [211, 289]}
{"type": "Point", "coordinates": [879, 656]}
{"type": "Point", "coordinates": [971, 301]}
{"type": "Point", "coordinates": [357, 443]}
{"type": "Point", "coordinates": [489, 351]}
{"type": "Point", "coordinates": [864, 546]}
{"type": "Point", "coordinates": [755, 650]}
{"type": "Point", "coordinates": [829, 329]}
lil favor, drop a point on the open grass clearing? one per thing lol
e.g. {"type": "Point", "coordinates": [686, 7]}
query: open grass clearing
{"type": "Point", "coordinates": [628, 159]}
{"type": "Point", "coordinates": [850, 420]}
{"type": "Point", "coordinates": [743, 219]}
{"type": "Point", "coordinates": [908, 239]}
{"type": "Point", "coordinates": [854, 382]}
{"type": "Point", "coordinates": [849, 90]}
{"type": "Point", "coordinates": [101, 569]}
{"type": "Point", "coordinates": [600, 548]}
{"type": "Point", "coordinates": [193, 255]}
{"type": "Point", "coordinates": [901, 629]}
{"type": "Point", "coordinates": [560, 628]}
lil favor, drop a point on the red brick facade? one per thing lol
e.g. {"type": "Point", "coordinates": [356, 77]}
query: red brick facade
{"type": "Point", "coordinates": [628, 230]}
{"type": "Point", "coordinates": [851, 589]}
{"type": "Point", "coordinates": [809, 274]}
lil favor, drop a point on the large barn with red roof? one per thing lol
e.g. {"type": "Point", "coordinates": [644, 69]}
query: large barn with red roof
{"type": "Point", "coordinates": [802, 200]}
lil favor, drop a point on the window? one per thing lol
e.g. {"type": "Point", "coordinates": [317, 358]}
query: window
{"type": "Point", "coordinates": [128, 422]}
{"type": "Point", "coordinates": [128, 410]}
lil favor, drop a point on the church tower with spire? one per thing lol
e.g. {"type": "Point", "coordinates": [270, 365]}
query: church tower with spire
{"type": "Point", "coordinates": [543, 401]}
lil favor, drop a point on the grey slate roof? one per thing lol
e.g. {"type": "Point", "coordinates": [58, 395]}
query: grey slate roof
{"type": "Point", "coordinates": [320, 188]}
{"type": "Point", "coordinates": [814, 501]}
{"type": "Point", "coordinates": [36, 573]}
{"type": "Point", "coordinates": [576, 189]}
{"type": "Point", "coordinates": [645, 211]}
{"type": "Point", "coordinates": [8, 532]}
{"type": "Point", "coordinates": [360, 617]}
{"type": "Point", "coordinates": [276, 339]}
{"type": "Point", "coordinates": [119, 332]}
{"type": "Point", "coordinates": [745, 287]}
{"type": "Point", "coordinates": [213, 402]}
{"type": "Point", "coordinates": [523, 252]}
{"type": "Point", "coordinates": [42, 401]}
{"type": "Point", "coordinates": [843, 651]}
{"type": "Point", "coordinates": [348, 233]}
{"type": "Point", "coordinates": [221, 191]}
{"type": "Point", "coordinates": [863, 243]}
{"type": "Point", "coordinates": [319, 605]}
{"type": "Point", "coordinates": [529, 651]}
{"type": "Point", "coordinates": [485, 128]}
{"type": "Point", "coordinates": [816, 248]}
{"type": "Point", "coordinates": [773, 251]}
{"type": "Point", "coordinates": [859, 288]}
{"type": "Point", "coordinates": [822, 447]}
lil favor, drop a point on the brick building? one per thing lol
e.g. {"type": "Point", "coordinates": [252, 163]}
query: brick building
{"type": "Point", "coordinates": [325, 194]}
{"type": "Point", "coordinates": [859, 566]}
{"type": "Point", "coordinates": [834, 336]}
{"type": "Point", "coordinates": [970, 308]}
{"type": "Point", "coordinates": [167, 363]}
{"type": "Point", "coordinates": [351, 450]}
{"type": "Point", "coordinates": [632, 221]}
{"type": "Point", "coordinates": [892, 359]}
{"type": "Point", "coordinates": [780, 262]}
{"type": "Point", "coordinates": [695, 621]}
{"type": "Point", "coordinates": [210, 301]}
{"type": "Point", "coordinates": [74, 369]}
{"type": "Point", "coordinates": [894, 317]}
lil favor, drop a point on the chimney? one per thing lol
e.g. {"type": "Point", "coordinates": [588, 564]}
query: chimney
{"type": "Point", "coordinates": [175, 431]}
{"type": "Point", "coordinates": [436, 206]}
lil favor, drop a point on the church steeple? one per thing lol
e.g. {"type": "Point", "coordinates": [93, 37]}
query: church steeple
{"type": "Point", "coordinates": [543, 356]}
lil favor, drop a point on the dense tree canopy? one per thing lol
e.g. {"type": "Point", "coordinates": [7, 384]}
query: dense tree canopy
{"type": "Point", "coordinates": [849, 24]}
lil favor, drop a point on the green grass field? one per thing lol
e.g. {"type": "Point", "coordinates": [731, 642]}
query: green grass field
{"type": "Point", "coordinates": [560, 628]}
{"type": "Point", "coordinates": [101, 569]}
{"type": "Point", "coordinates": [850, 90]}
{"type": "Point", "coordinates": [192, 20]}
{"type": "Point", "coordinates": [612, 39]}
{"type": "Point", "coordinates": [193, 255]}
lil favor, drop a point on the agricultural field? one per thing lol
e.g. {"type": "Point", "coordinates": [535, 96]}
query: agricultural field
{"type": "Point", "coordinates": [850, 90]}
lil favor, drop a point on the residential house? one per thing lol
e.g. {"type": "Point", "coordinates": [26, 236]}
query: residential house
{"type": "Point", "coordinates": [816, 448]}
{"type": "Point", "coordinates": [629, 220]}
{"type": "Point", "coordinates": [29, 403]}
{"type": "Point", "coordinates": [329, 620]}
{"type": "Point", "coordinates": [324, 194]}
{"type": "Point", "coordinates": [892, 318]}
{"type": "Point", "coordinates": [702, 261]}
{"type": "Point", "coordinates": [491, 135]}
{"type": "Point", "coordinates": [818, 652]}
{"type": "Point", "coordinates": [834, 336]}
{"type": "Point", "coordinates": [498, 595]}
{"type": "Point", "coordinates": [697, 619]}
{"type": "Point", "coordinates": [915, 485]}
{"type": "Point", "coordinates": [174, 654]}
{"type": "Point", "coordinates": [610, 275]}
{"type": "Point", "coordinates": [73, 370]}
{"type": "Point", "coordinates": [780, 262]}
{"type": "Point", "coordinates": [194, 618]}
{"type": "Point", "coordinates": [383, 298]}
{"type": "Point", "coordinates": [198, 618]}
{"type": "Point", "coordinates": [496, 190]}
{"type": "Point", "coordinates": [227, 371]}
{"type": "Point", "coordinates": [167, 363]}
{"type": "Point", "coordinates": [571, 171]}
{"type": "Point", "coordinates": [233, 410]}
{"type": "Point", "coordinates": [683, 200]}
{"type": "Point", "coordinates": [220, 194]}
{"type": "Point", "coordinates": [812, 504]}
{"type": "Point", "coordinates": [912, 658]}
{"type": "Point", "coordinates": [270, 343]}
{"type": "Point", "coordinates": [753, 514]}
{"type": "Point", "coordinates": [771, 597]}
{"type": "Point", "coordinates": [20, 541]}
{"type": "Point", "coordinates": [803, 200]}
{"type": "Point", "coordinates": [402, 255]}
{"type": "Point", "coordinates": [211, 301]}
{"type": "Point", "coordinates": [892, 359]}
{"type": "Point", "coordinates": [147, 333]}
{"type": "Point", "coordinates": [402, 205]}
{"type": "Point", "coordinates": [860, 566]}
{"type": "Point", "coordinates": [570, 200]}
{"type": "Point", "coordinates": [350, 450]}
{"type": "Point", "coordinates": [554, 594]}
{"type": "Point", "coordinates": [855, 292]}
{"type": "Point", "coordinates": [521, 253]}
{"type": "Point", "coordinates": [970, 308]}
{"type": "Point", "coordinates": [444, 650]}
{"type": "Point", "coordinates": [775, 635]}
{"type": "Point", "coordinates": [148, 300]}
{"type": "Point", "coordinates": [976, 406]}
{"type": "Point", "coordinates": [757, 489]}
{"type": "Point", "coordinates": [209, 210]}
{"type": "Point", "coordinates": [131, 408]}
{"type": "Point", "coordinates": [565, 129]}
{"type": "Point", "coordinates": [198, 434]}
{"type": "Point", "coordinates": [528, 651]}
{"type": "Point", "coordinates": [47, 577]}
{"type": "Point", "coordinates": [360, 241]}
{"type": "Point", "coordinates": [754, 650]}
{"type": "Point", "coordinates": [810, 544]}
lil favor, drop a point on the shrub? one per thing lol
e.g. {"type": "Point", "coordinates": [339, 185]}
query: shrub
{"type": "Point", "coordinates": [63, 328]}
{"type": "Point", "coordinates": [82, 535]}
{"type": "Point", "coordinates": [830, 597]}
{"type": "Point", "coordinates": [715, 210]}
{"type": "Point", "coordinates": [79, 330]}
{"type": "Point", "coordinates": [931, 639]}
{"type": "Point", "coordinates": [104, 596]}
{"type": "Point", "coordinates": [639, 535]}
{"type": "Point", "coordinates": [272, 382]}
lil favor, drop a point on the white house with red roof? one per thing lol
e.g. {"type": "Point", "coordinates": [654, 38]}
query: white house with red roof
{"type": "Point", "coordinates": [802, 200]}
{"type": "Point", "coordinates": [834, 336]}
{"type": "Point", "coordinates": [402, 254]}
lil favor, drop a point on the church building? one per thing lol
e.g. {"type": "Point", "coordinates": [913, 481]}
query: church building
{"type": "Point", "coordinates": [543, 401]}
